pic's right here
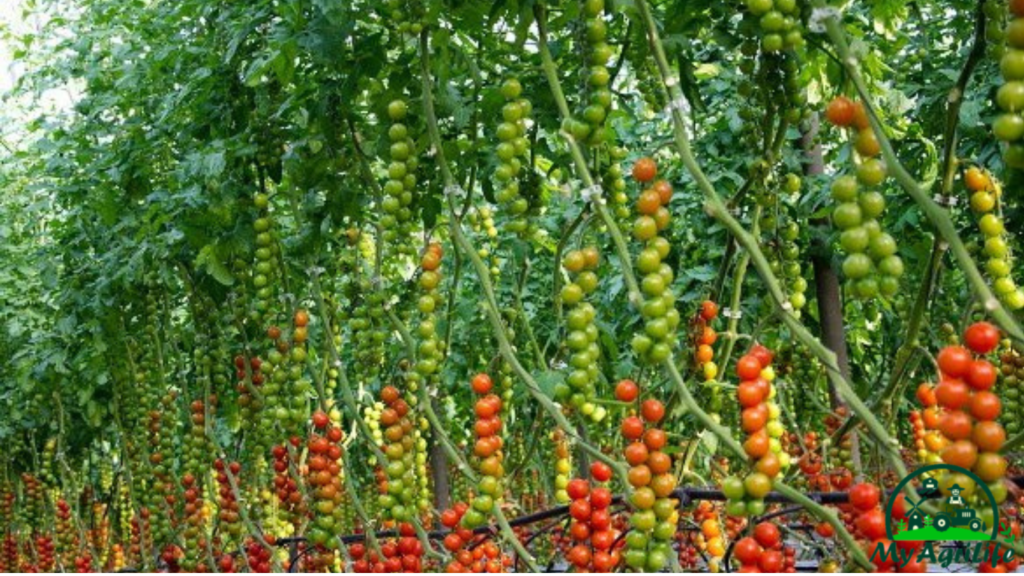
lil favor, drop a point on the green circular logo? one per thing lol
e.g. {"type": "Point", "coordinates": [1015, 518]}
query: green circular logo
{"type": "Point", "coordinates": [953, 519]}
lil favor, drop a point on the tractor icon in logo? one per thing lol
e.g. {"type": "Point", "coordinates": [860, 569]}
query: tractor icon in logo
{"type": "Point", "coordinates": [963, 517]}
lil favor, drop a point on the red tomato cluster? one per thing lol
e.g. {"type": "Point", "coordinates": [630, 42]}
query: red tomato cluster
{"type": "Point", "coordinates": [763, 551]}
{"type": "Point", "coordinates": [591, 529]}
{"type": "Point", "coordinates": [67, 542]}
{"type": "Point", "coordinates": [324, 472]}
{"type": "Point", "coordinates": [45, 558]}
{"type": "Point", "coordinates": [228, 506]}
{"type": "Point", "coordinates": [971, 408]}
{"type": "Point", "coordinates": [866, 521]}
{"type": "Point", "coordinates": [485, 557]}
{"type": "Point", "coordinates": [284, 481]}
{"type": "Point", "coordinates": [928, 439]}
{"type": "Point", "coordinates": [405, 554]}
{"type": "Point", "coordinates": [650, 474]}
{"type": "Point", "coordinates": [9, 554]}
{"type": "Point", "coordinates": [194, 541]}
{"type": "Point", "coordinates": [257, 557]}
{"type": "Point", "coordinates": [753, 394]}
{"type": "Point", "coordinates": [488, 449]}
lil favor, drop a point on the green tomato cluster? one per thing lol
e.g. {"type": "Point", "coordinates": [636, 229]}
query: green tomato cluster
{"type": "Point", "coordinates": [285, 392]}
{"type": "Point", "coordinates": [745, 496]}
{"type": "Point", "coordinates": [780, 24]}
{"type": "Point", "coordinates": [996, 244]}
{"type": "Point", "coordinates": [1009, 126]}
{"type": "Point", "coordinates": [661, 319]}
{"type": "Point", "coordinates": [398, 198]}
{"type": "Point", "coordinates": [579, 389]}
{"type": "Point", "coordinates": [785, 255]}
{"type": "Point", "coordinates": [430, 350]}
{"type": "Point", "coordinates": [404, 16]}
{"type": "Point", "coordinates": [513, 152]}
{"type": "Point", "coordinates": [872, 266]}
{"type": "Point", "coordinates": [366, 320]}
{"type": "Point", "coordinates": [267, 257]}
{"type": "Point", "coordinates": [598, 55]}
{"type": "Point", "coordinates": [613, 180]}
{"type": "Point", "coordinates": [1012, 392]}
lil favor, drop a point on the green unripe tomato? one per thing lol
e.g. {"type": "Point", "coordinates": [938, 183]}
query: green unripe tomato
{"type": "Point", "coordinates": [856, 266]}
{"type": "Point", "coordinates": [397, 110]}
{"type": "Point", "coordinates": [847, 215]}
{"type": "Point", "coordinates": [844, 189]}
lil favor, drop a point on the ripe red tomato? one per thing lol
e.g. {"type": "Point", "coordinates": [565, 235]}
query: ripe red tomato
{"type": "Point", "coordinates": [757, 444]}
{"type": "Point", "coordinates": [708, 310]}
{"type": "Point", "coordinates": [655, 439]}
{"type": "Point", "coordinates": [632, 428]}
{"type": "Point", "coordinates": [981, 375]}
{"type": "Point", "coordinates": [580, 510]}
{"type": "Point", "coordinates": [926, 394]}
{"type": "Point", "coordinates": [482, 383]}
{"type": "Point", "coordinates": [985, 406]}
{"type": "Point", "coordinates": [749, 394]}
{"type": "Point", "coordinates": [578, 488]}
{"type": "Point", "coordinates": [772, 561]}
{"type": "Point", "coordinates": [747, 551]}
{"type": "Point", "coordinates": [449, 518]}
{"type": "Point", "coordinates": [748, 367]}
{"type": "Point", "coordinates": [840, 111]}
{"type": "Point", "coordinates": [626, 391]}
{"type": "Point", "coordinates": [754, 419]}
{"type": "Point", "coordinates": [320, 419]}
{"type": "Point", "coordinates": [600, 498]}
{"type": "Point", "coordinates": [872, 524]}
{"type": "Point", "coordinates": [952, 393]}
{"type": "Point", "coordinates": [767, 534]}
{"type": "Point", "coordinates": [954, 361]}
{"type": "Point", "coordinates": [644, 170]}
{"type": "Point", "coordinates": [763, 355]}
{"type": "Point", "coordinates": [389, 394]}
{"type": "Point", "coordinates": [981, 337]}
{"type": "Point", "coordinates": [636, 453]}
{"type": "Point", "coordinates": [956, 425]}
{"type": "Point", "coordinates": [301, 318]}
{"type": "Point", "coordinates": [864, 496]}
{"type": "Point", "coordinates": [652, 410]}
{"type": "Point", "coordinates": [601, 471]}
